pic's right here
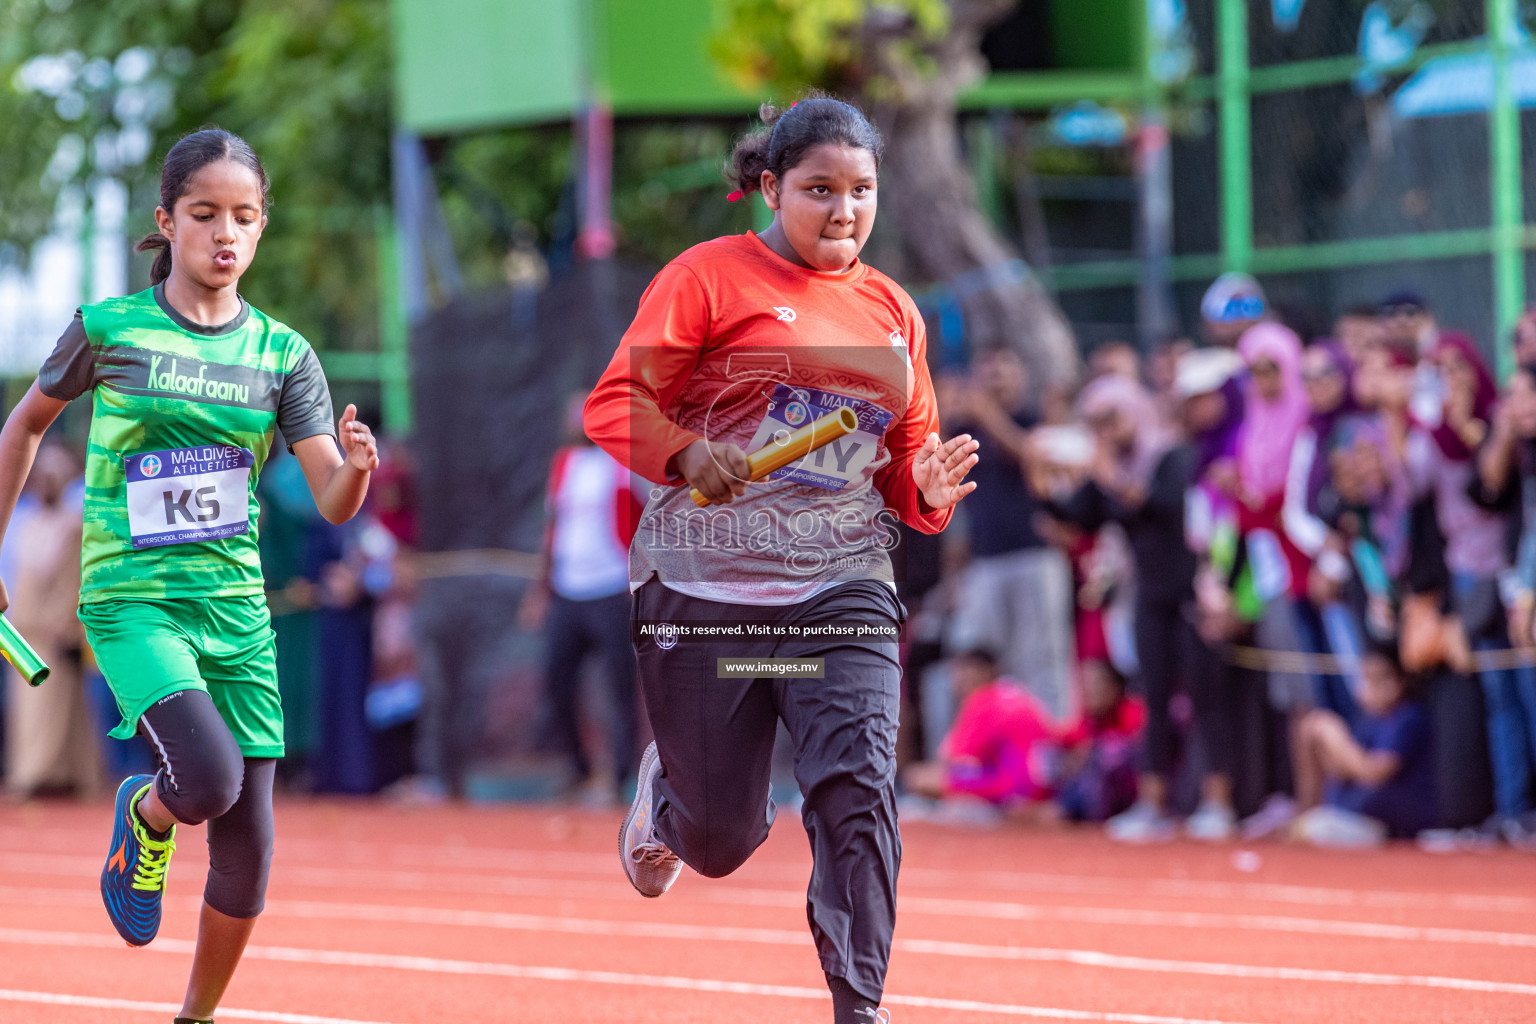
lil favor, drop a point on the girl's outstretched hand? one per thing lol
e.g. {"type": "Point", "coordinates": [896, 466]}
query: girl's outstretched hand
{"type": "Point", "coordinates": [357, 441]}
{"type": "Point", "coordinates": [939, 469]}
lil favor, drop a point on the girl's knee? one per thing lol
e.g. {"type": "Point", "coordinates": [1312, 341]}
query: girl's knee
{"type": "Point", "coordinates": [716, 852]}
{"type": "Point", "coordinates": [208, 794]}
{"type": "Point", "coordinates": [724, 855]}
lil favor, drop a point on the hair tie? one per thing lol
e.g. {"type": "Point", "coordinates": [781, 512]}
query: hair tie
{"type": "Point", "coordinates": [795, 104]}
{"type": "Point", "coordinates": [734, 196]}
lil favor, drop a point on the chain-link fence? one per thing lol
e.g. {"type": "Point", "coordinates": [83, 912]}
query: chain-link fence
{"type": "Point", "coordinates": [1372, 131]}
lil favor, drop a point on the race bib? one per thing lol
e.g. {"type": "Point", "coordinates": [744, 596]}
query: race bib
{"type": "Point", "coordinates": [832, 466]}
{"type": "Point", "coordinates": [184, 495]}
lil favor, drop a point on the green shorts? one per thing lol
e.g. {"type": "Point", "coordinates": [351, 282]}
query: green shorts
{"type": "Point", "coordinates": [149, 649]}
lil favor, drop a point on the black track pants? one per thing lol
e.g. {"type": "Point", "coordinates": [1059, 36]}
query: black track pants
{"type": "Point", "coordinates": [715, 737]}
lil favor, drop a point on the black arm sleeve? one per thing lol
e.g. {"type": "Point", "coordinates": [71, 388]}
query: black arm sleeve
{"type": "Point", "coordinates": [304, 407]}
{"type": "Point", "coordinates": [70, 371]}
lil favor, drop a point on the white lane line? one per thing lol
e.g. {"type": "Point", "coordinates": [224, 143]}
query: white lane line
{"type": "Point", "coordinates": [923, 905]}
{"type": "Point", "coordinates": [448, 858]}
{"type": "Point", "coordinates": [1112, 961]}
{"type": "Point", "coordinates": [324, 910]}
{"type": "Point", "coordinates": [1076, 957]}
{"type": "Point", "coordinates": [336, 910]}
{"type": "Point", "coordinates": [136, 1006]}
{"type": "Point", "coordinates": [577, 862]}
{"type": "Point", "coordinates": [435, 965]}
{"type": "Point", "coordinates": [1220, 922]}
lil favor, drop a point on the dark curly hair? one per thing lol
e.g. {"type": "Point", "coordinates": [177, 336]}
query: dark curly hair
{"type": "Point", "coordinates": [788, 134]}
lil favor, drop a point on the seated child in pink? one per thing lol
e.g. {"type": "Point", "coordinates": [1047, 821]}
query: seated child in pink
{"type": "Point", "coordinates": [1001, 744]}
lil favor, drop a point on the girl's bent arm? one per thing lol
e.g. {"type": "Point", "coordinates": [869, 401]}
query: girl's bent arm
{"type": "Point", "coordinates": [626, 413]}
{"type": "Point", "coordinates": [339, 484]}
{"type": "Point", "coordinates": [23, 431]}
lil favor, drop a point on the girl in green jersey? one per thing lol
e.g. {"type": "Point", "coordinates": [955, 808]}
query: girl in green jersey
{"type": "Point", "coordinates": [188, 383]}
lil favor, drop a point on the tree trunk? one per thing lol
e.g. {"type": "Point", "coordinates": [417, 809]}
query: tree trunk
{"type": "Point", "coordinates": [941, 237]}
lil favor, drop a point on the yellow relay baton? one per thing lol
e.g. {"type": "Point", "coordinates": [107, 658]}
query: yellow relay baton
{"type": "Point", "coordinates": [20, 654]}
{"type": "Point", "coordinates": [781, 451]}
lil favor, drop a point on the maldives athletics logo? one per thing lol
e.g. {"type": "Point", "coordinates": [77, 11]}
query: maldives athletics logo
{"type": "Point", "coordinates": [149, 465]}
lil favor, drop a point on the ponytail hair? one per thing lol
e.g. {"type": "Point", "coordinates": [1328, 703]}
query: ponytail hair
{"type": "Point", "coordinates": [191, 154]}
{"type": "Point", "coordinates": [161, 268]}
{"type": "Point", "coordinates": [788, 134]}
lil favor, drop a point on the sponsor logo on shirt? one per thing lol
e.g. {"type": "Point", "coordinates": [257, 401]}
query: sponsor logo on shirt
{"type": "Point", "coordinates": [172, 378]}
{"type": "Point", "coordinates": [785, 313]}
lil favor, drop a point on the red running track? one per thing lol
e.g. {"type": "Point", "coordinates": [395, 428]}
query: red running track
{"type": "Point", "coordinates": [388, 915]}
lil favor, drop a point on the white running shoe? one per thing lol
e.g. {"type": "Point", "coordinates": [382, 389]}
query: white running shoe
{"type": "Point", "coordinates": [1337, 829]}
{"type": "Point", "coordinates": [650, 867]}
{"type": "Point", "coordinates": [1212, 822]}
{"type": "Point", "coordinates": [1142, 823]}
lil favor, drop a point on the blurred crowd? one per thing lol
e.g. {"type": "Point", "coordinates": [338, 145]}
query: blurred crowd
{"type": "Point", "coordinates": [1267, 582]}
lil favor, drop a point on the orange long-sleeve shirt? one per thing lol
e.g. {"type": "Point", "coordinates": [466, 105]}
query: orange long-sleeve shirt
{"type": "Point", "coordinates": [733, 343]}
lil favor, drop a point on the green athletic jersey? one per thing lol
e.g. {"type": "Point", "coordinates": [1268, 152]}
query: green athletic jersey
{"type": "Point", "coordinates": [182, 422]}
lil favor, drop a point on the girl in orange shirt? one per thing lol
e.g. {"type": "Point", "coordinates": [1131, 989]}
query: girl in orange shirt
{"type": "Point", "coordinates": [737, 341]}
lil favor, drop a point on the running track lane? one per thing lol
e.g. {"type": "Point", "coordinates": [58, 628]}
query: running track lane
{"type": "Point", "coordinates": [385, 915]}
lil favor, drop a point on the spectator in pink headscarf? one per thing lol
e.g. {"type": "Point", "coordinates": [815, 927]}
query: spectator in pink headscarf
{"type": "Point", "coordinates": [1275, 410]}
{"type": "Point", "coordinates": [1251, 590]}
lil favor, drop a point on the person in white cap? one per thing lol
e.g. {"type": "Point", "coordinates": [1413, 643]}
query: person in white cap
{"type": "Point", "coordinates": [1233, 303]}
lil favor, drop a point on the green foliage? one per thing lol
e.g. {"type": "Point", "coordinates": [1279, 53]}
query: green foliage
{"type": "Point", "coordinates": [306, 82]}
{"type": "Point", "coordinates": [499, 187]}
{"type": "Point", "coordinates": [658, 219]}
{"type": "Point", "coordinates": [502, 187]}
{"type": "Point", "coordinates": [788, 45]}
